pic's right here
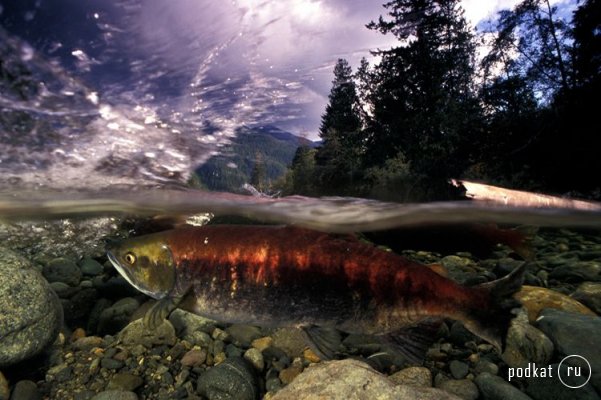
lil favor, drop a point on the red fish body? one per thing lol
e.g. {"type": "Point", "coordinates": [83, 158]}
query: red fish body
{"type": "Point", "coordinates": [288, 276]}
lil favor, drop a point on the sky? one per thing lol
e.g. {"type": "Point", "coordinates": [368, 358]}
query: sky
{"type": "Point", "coordinates": [214, 65]}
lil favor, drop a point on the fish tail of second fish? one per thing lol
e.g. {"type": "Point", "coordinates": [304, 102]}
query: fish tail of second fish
{"type": "Point", "coordinates": [490, 317]}
{"type": "Point", "coordinates": [522, 242]}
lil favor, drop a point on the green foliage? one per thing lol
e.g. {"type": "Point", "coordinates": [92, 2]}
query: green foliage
{"type": "Point", "coordinates": [300, 178]}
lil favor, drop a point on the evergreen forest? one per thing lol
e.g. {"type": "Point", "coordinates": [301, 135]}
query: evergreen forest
{"type": "Point", "coordinates": [515, 104]}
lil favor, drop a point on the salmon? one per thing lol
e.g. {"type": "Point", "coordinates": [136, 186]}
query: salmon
{"type": "Point", "coordinates": [323, 283]}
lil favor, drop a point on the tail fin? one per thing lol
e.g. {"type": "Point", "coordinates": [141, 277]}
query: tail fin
{"type": "Point", "coordinates": [522, 242]}
{"type": "Point", "coordinates": [491, 320]}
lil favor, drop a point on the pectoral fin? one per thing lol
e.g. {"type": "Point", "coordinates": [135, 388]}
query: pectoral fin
{"type": "Point", "coordinates": [156, 314]}
{"type": "Point", "coordinates": [325, 342]}
{"type": "Point", "coordinates": [412, 342]}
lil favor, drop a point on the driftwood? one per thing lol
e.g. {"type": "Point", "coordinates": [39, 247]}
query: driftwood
{"type": "Point", "coordinates": [518, 198]}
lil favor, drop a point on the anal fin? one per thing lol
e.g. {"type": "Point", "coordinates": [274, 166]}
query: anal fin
{"type": "Point", "coordinates": [412, 342]}
{"type": "Point", "coordinates": [325, 342]}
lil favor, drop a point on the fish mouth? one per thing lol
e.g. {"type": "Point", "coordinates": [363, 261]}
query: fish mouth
{"type": "Point", "coordinates": [129, 278]}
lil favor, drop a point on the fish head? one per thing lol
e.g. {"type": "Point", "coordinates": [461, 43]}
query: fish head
{"type": "Point", "coordinates": [146, 263]}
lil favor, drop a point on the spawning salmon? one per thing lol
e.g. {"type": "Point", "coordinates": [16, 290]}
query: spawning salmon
{"type": "Point", "coordinates": [320, 282]}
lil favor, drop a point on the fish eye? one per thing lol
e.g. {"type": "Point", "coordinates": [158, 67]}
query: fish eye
{"type": "Point", "coordinates": [130, 258]}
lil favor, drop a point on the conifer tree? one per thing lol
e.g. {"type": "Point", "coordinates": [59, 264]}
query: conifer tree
{"type": "Point", "coordinates": [337, 158]}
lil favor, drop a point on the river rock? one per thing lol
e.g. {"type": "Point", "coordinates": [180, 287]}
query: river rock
{"type": "Point", "coordinates": [31, 312]}
{"type": "Point", "coordinates": [117, 316]}
{"type": "Point", "coordinates": [574, 334]}
{"type": "Point", "coordinates": [255, 357]}
{"type": "Point", "coordinates": [460, 269]}
{"type": "Point", "coordinates": [553, 389]}
{"type": "Point", "coordinates": [26, 390]}
{"type": "Point", "coordinates": [187, 323]}
{"type": "Point", "coordinates": [462, 388]}
{"type": "Point", "coordinates": [233, 379]}
{"type": "Point", "coordinates": [526, 344]}
{"type": "Point", "coordinates": [115, 395]}
{"type": "Point", "coordinates": [80, 305]}
{"type": "Point", "coordinates": [352, 379]}
{"type": "Point", "coordinates": [534, 299]}
{"type": "Point", "coordinates": [243, 335]}
{"type": "Point", "coordinates": [90, 267]}
{"type": "Point", "coordinates": [589, 294]}
{"type": "Point", "coordinates": [137, 334]}
{"type": "Point", "coordinates": [62, 270]}
{"type": "Point", "coordinates": [493, 387]}
{"type": "Point", "coordinates": [577, 271]}
{"type": "Point", "coordinates": [125, 381]}
{"type": "Point", "coordinates": [291, 340]}
{"type": "Point", "coordinates": [413, 376]}
{"type": "Point", "coordinates": [458, 369]}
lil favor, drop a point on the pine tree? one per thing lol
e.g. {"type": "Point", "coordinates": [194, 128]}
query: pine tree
{"type": "Point", "coordinates": [425, 104]}
{"type": "Point", "coordinates": [337, 158]}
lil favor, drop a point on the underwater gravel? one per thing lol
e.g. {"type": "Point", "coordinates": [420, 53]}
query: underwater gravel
{"type": "Point", "coordinates": [102, 354]}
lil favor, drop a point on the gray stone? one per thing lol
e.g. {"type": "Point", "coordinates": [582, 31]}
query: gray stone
{"type": "Point", "coordinates": [95, 312]}
{"type": "Point", "coordinates": [463, 388]}
{"type": "Point", "coordinates": [413, 376]}
{"type": "Point", "coordinates": [117, 316]}
{"type": "Point", "coordinates": [291, 340]}
{"type": "Point", "coordinates": [232, 379]}
{"type": "Point", "coordinates": [90, 267]}
{"type": "Point", "coordinates": [87, 343]}
{"type": "Point", "coordinates": [458, 369]}
{"type": "Point", "coordinates": [80, 304]}
{"type": "Point", "coordinates": [255, 357]}
{"type": "Point", "coordinates": [460, 269]}
{"type": "Point", "coordinates": [220, 334]}
{"type": "Point", "coordinates": [111, 363]}
{"type": "Point", "coordinates": [194, 357]}
{"type": "Point", "coordinates": [137, 334]}
{"type": "Point", "coordinates": [589, 294]}
{"type": "Point", "coordinates": [26, 390]}
{"type": "Point", "coordinates": [243, 335]}
{"type": "Point", "coordinates": [577, 271]}
{"type": "Point", "coordinates": [493, 387]}
{"type": "Point", "coordinates": [31, 312]}
{"type": "Point", "coordinates": [552, 388]}
{"type": "Point", "coordinates": [486, 366]}
{"type": "Point", "coordinates": [459, 334]}
{"type": "Point", "coordinates": [187, 323]}
{"type": "Point", "coordinates": [526, 344]}
{"type": "Point", "coordinates": [115, 395]}
{"type": "Point", "coordinates": [125, 381]}
{"type": "Point", "coordinates": [59, 373]}
{"type": "Point", "coordinates": [352, 379]}
{"type": "Point", "coordinates": [62, 270]}
{"type": "Point", "coordinates": [574, 334]}
{"type": "Point", "coordinates": [63, 290]}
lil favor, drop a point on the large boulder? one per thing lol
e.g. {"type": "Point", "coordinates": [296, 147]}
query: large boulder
{"type": "Point", "coordinates": [31, 314]}
{"type": "Point", "coordinates": [352, 379]}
